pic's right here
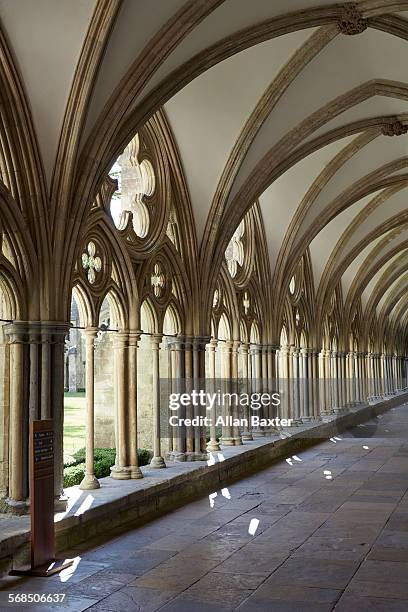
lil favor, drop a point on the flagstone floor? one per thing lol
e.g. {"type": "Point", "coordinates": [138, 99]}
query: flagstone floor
{"type": "Point", "coordinates": [324, 530]}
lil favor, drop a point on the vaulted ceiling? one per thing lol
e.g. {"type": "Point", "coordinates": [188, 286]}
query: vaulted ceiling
{"type": "Point", "coordinates": [301, 105]}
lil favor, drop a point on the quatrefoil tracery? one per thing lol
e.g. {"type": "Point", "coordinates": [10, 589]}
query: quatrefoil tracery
{"type": "Point", "coordinates": [91, 262]}
{"type": "Point", "coordinates": [158, 280]}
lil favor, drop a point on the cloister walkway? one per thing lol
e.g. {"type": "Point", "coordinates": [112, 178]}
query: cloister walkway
{"type": "Point", "coordinates": [324, 530]}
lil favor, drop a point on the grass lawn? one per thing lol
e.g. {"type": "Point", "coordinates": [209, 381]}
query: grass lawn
{"type": "Point", "coordinates": [74, 422]}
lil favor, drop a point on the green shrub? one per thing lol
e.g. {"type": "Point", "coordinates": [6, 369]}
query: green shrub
{"type": "Point", "coordinates": [104, 458]}
{"type": "Point", "coordinates": [100, 454]}
{"type": "Point", "coordinates": [74, 474]}
{"type": "Point", "coordinates": [143, 456]}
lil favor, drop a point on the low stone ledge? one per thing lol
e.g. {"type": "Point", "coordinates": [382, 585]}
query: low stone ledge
{"type": "Point", "coordinates": [120, 505]}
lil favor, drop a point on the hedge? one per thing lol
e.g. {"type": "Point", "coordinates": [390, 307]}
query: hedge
{"type": "Point", "coordinates": [104, 459]}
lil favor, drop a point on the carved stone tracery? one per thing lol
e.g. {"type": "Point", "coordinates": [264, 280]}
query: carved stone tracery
{"type": "Point", "coordinates": [394, 128]}
{"type": "Point", "coordinates": [351, 21]}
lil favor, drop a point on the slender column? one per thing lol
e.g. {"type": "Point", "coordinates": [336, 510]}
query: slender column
{"type": "Point", "coordinates": [383, 375]}
{"type": "Point", "coordinates": [323, 376]}
{"type": "Point", "coordinates": [120, 470]}
{"type": "Point", "coordinates": [178, 385]}
{"type": "Point", "coordinates": [90, 481]}
{"type": "Point", "coordinates": [213, 444]}
{"type": "Point", "coordinates": [34, 404]}
{"type": "Point", "coordinates": [267, 369]}
{"type": "Point", "coordinates": [342, 369]}
{"type": "Point", "coordinates": [35, 394]}
{"type": "Point", "coordinates": [255, 352]}
{"type": "Point", "coordinates": [192, 433]}
{"type": "Point", "coordinates": [199, 348]}
{"type": "Point", "coordinates": [131, 398]}
{"type": "Point", "coordinates": [244, 351]}
{"type": "Point", "coordinates": [298, 385]}
{"type": "Point", "coordinates": [264, 353]}
{"type": "Point", "coordinates": [227, 436]}
{"type": "Point", "coordinates": [284, 381]}
{"type": "Point", "coordinates": [234, 388]}
{"type": "Point", "coordinates": [18, 462]}
{"type": "Point", "coordinates": [273, 386]}
{"type": "Point", "coordinates": [45, 376]}
{"type": "Point", "coordinates": [157, 459]}
{"type": "Point", "coordinates": [306, 376]}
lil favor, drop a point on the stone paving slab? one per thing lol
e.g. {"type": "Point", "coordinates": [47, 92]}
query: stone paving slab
{"type": "Point", "coordinates": [304, 545]}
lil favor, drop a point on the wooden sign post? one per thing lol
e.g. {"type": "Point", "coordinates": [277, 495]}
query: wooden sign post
{"type": "Point", "coordinates": [43, 562]}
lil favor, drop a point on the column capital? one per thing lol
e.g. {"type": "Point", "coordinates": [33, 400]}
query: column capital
{"type": "Point", "coordinates": [255, 348]}
{"type": "Point", "coordinates": [121, 339]}
{"type": "Point", "coordinates": [244, 347]}
{"type": "Point", "coordinates": [177, 342]}
{"type": "Point", "coordinates": [91, 331]}
{"type": "Point", "coordinates": [236, 345]}
{"type": "Point", "coordinates": [134, 335]}
{"type": "Point", "coordinates": [155, 340]}
{"type": "Point", "coordinates": [26, 332]}
{"type": "Point", "coordinates": [200, 342]}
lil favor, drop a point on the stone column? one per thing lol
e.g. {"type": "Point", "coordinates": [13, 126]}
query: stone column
{"type": "Point", "coordinates": [89, 481]}
{"type": "Point", "coordinates": [35, 394]}
{"type": "Point", "coordinates": [190, 431]}
{"type": "Point", "coordinates": [131, 397]}
{"type": "Point", "coordinates": [298, 385]}
{"type": "Point", "coordinates": [177, 346]}
{"type": "Point", "coordinates": [157, 460]}
{"type": "Point", "coordinates": [18, 437]}
{"type": "Point", "coordinates": [213, 444]}
{"type": "Point", "coordinates": [244, 351]}
{"type": "Point", "coordinates": [4, 411]}
{"type": "Point", "coordinates": [255, 351]}
{"type": "Point", "coordinates": [199, 348]}
{"type": "Point", "coordinates": [284, 381]}
{"type": "Point", "coordinates": [120, 470]}
{"type": "Point", "coordinates": [306, 412]}
{"type": "Point", "coordinates": [236, 435]}
{"type": "Point", "coordinates": [323, 379]}
{"type": "Point", "coordinates": [125, 356]}
{"type": "Point", "coordinates": [227, 435]}
{"type": "Point", "coordinates": [273, 386]}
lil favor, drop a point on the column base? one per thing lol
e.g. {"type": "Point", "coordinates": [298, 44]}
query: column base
{"type": "Point", "coordinates": [11, 506]}
{"type": "Point", "coordinates": [197, 456]}
{"type": "Point", "coordinates": [135, 472]}
{"type": "Point", "coordinates": [258, 434]}
{"type": "Point", "coordinates": [157, 463]}
{"type": "Point", "coordinates": [227, 441]}
{"type": "Point", "coordinates": [120, 473]}
{"type": "Point", "coordinates": [176, 456]}
{"type": "Point", "coordinates": [60, 503]}
{"type": "Point", "coordinates": [89, 482]}
{"type": "Point", "coordinates": [213, 446]}
{"type": "Point", "coordinates": [238, 441]}
{"type": "Point", "coordinates": [246, 436]}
